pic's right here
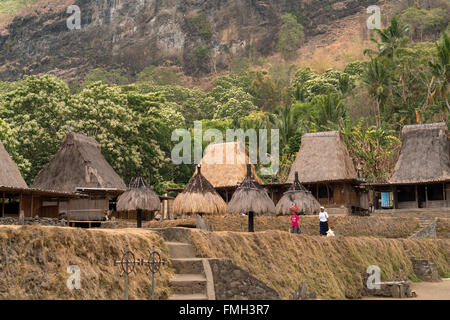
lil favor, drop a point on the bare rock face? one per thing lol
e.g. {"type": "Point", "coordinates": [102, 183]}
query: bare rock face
{"type": "Point", "coordinates": [201, 36]}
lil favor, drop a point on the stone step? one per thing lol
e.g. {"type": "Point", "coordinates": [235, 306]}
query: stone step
{"type": "Point", "coordinates": [188, 265]}
{"type": "Point", "coordinates": [180, 250]}
{"type": "Point", "coordinates": [196, 296]}
{"type": "Point", "coordinates": [189, 284]}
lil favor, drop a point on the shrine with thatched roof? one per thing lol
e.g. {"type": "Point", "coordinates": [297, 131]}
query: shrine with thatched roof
{"type": "Point", "coordinates": [79, 166]}
{"type": "Point", "coordinates": [326, 169]}
{"type": "Point", "coordinates": [421, 177]}
{"type": "Point", "coordinates": [198, 198]}
{"type": "Point", "coordinates": [299, 195]}
{"type": "Point", "coordinates": [251, 198]}
{"type": "Point", "coordinates": [139, 199]}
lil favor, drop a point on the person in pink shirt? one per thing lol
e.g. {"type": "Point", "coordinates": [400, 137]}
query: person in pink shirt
{"type": "Point", "coordinates": [294, 219]}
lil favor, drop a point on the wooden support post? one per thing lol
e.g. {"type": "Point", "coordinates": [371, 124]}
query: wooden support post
{"type": "Point", "coordinates": [3, 204]}
{"type": "Point", "coordinates": [251, 222]}
{"type": "Point", "coordinates": [139, 218]}
{"type": "Point", "coordinates": [417, 197]}
{"type": "Point", "coordinates": [443, 192]}
{"type": "Point", "coordinates": [426, 196]}
{"type": "Point", "coordinates": [395, 197]}
{"type": "Point", "coordinates": [328, 193]}
{"type": "Point", "coordinates": [226, 196]}
{"type": "Point", "coordinates": [32, 205]}
{"type": "Point", "coordinates": [68, 211]}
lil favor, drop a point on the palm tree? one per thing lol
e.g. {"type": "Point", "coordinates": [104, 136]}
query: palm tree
{"type": "Point", "coordinates": [329, 110]}
{"type": "Point", "coordinates": [377, 78]}
{"type": "Point", "coordinates": [441, 69]}
{"type": "Point", "coordinates": [393, 37]}
{"type": "Point", "coordinates": [286, 120]}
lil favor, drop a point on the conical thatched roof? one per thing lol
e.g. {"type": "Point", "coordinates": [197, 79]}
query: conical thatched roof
{"type": "Point", "coordinates": [251, 197]}
{"type": "Point", "coordinates": [139, 197]}
{"type": "Point", "coordinates": [323, 157]}
{"type": "Point", "coordinates": [9, 172]}
{"type": "Point", "coordinates": [78, 163]}
{"type": "Point", "coordinates": [299, 195]}
{"type": "Point", "coordinates": [225, 164]}
{"type": "Point", "coordinates": [199, 196]}
{"type": "Point", "coordinates": [425, 155]}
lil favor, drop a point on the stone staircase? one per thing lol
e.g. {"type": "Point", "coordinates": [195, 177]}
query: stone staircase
{"type": "Point", "coordinates": [427, 228]}
{"type": "Point", "coordinates": [193, 279]}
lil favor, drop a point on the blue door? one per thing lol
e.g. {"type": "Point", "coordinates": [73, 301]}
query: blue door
{"type": "Point", "coordinates": [387, 199]}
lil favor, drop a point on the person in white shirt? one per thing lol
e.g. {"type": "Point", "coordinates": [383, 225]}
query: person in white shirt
{"type": "Point", "coordinates": [323, 217]}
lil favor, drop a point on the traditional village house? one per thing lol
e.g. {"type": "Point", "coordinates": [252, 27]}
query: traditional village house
{"type": "Point", "coordinates": [326, 169]}
{"type": "Point", "coordinates": [224, 165]}
{"type": "Point", "coordinates": [79, 166]}
{"type": "Point", "coordinates": [421, 177]}
{"type": "Point", "coordinates": [16, 197]}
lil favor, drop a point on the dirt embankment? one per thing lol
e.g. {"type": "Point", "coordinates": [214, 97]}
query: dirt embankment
{"type": "Point", "coordinates": [331, 266]}
{"type": "Point", "coordinates": [386, 227]}
{"type": "Point", "coordinates": [34, 261]}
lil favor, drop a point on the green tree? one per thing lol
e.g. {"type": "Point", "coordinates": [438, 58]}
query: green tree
{"type": "Point", "coordinates": [390, 39]}
{"type": "Point", "coordinates": [441, 69]}
{"type": "Point", "coordinates": [291, 35]}
{"type": "Point", "coordinates": [377, 79]}
{"type": "Point", "coordinates": [36, 112]}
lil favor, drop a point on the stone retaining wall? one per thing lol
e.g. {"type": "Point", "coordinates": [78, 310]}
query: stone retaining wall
{"type": "Point", "coordinates": [425, 270]}
{"type": "Point", "coordinates": [233, 283]}
{"type": "Point", "coordinates": [31, 221]}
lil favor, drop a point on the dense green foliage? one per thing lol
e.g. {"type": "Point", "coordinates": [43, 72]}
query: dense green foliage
{"type": "Point", "coordinates": [403, 82]}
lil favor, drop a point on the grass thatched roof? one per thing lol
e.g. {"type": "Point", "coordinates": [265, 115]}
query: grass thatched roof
{"type": "Point", "coordinates": [222, 173]}
{"type": "Point", "coordinates": [78, 163]}
{"type": "Point", "coordinates": [9, 172]}
{"type": "Point", "coordinates": [199, 196]}
{"type": "Point", "coordinates": [139, 197]}
{"type": "Point", "coordinates": [323, 157]}
{"type": "Point", "coordinates": [425, 155]}
{"type": "Point", "coordinates": [251, 197]}
{"type": "Point", "coordinates": [299, 195]}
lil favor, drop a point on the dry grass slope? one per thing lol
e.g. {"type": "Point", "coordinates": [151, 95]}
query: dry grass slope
{"type": "Point", "coordinates": [387, 227]}
{"type": "Point", "coordinates": [332, 266]}
{"type": "Point", "coordinates": [34, 261]}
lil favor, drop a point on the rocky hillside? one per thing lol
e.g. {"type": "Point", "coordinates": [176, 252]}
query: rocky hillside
{"type": "Point", "coordinates": [198, 35]}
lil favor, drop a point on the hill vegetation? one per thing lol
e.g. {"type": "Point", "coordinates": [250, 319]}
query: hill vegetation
{"type": "Point", "coordinates": [400, 80]}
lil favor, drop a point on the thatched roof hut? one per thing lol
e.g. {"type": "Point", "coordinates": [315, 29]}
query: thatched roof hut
{"type": "Point", "coordinates": [9, 172]}
{"type": "Point", "coordinates": [251, 197]}
{"type": "Point", "coordinates": [78, 163]}
{"type": "Point", "coordinates": [225, 164]}
{"type": "Point", "coordinates": [199, 197]}
{"type": "Point", "coordinates": [323, 157]}
{"type": "Point", "coordinates": [139, 197]}
{"type": "Point", "coordinates": [297, 194]}
{"type": "Point", "coordinates": [425, 155]}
